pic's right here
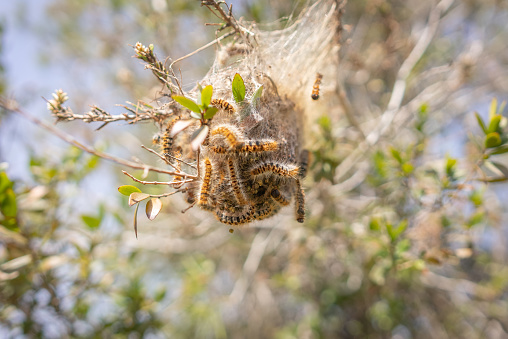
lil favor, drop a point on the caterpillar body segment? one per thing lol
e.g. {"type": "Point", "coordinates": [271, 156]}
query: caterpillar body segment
{"type": "Point", "coordinates": [276, 168]}
{"type": "Point", "coordinates": [277, 196]}
{"type": "Point", "coordinates": [299, 203]}
{"type": "Point", "coordinates": [229, 133]}
{"type": "Point", "coordinates": [205, 186]}
{"type": "Point", "coordinates": [167, 141]}
{"type": "Point", "coordinates": [315, 88]}
{"type": "Point", "coordinates": [221, 103]}
{"type": "Point", "coordinates": [239, 194]}
{"type": "Point", "coordinates": [234, 220]}
{"type": "Point", "coordinates": [253, 146]}
{"type": "Point", "coordinates": [264, 211]}
{"type": "Point", "coordinates": [304, 163]}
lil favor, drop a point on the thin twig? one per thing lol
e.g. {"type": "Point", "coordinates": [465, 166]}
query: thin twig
{"type": "Point", "coordinates": [11, 106]}
{"type": "Point", "coordinates": [157, 182]}
{"type": "Point", "coordinates": [211, 43]}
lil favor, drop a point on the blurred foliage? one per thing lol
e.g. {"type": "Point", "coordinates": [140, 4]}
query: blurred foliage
{"type": "Point", "coordinates": [416, 250]}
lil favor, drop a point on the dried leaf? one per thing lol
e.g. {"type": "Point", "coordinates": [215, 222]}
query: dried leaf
{"type": "Point", "coordinates": [136, 221]}
{"type": "Point", "coordinates": [198, 137]}
{"type": "Point", "coordinates": [153, 207]}
{"type": "Point", "coordinates": [179, 126]}
{"type": "Point", "coordinates": [136, 197]}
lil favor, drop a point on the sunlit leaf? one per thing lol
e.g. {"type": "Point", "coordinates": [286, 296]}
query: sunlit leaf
{"type": "Point", "coordinates": [186, 102]}
{"type": "Point", "coordinates": [9, 206]}
{"type": "Point", "coordinates": [494, 124]}
{"type": "Point", "coordinates": [16, 264]}
{"type": "Point", "coordinates": [210, 112]}
{"type": "Point", "coordinates": [136, 221]}
{"type": "Point", "coordinates": [394, 233]}
{"type": "Point", "coordinates": [396, 155]}
{"type": "Point", "coordinates": [238, 88]}
{"type": "Point", "coordinates": [206, 96]}
{"type": "Point", "coordinates": [136, 197]}
{"type": "Point", "coordinates": [53, 261]}
{"type": "Point", "coordinates": [4, 181]}
{"type": "Point", "coordinates": [153, 207]}
{"type": "Point", "coordinates": [493, 109]}
{"type": "Point", "coordinates": [198, 137]}
{"type": "Point", "coordinates": [500, 150]}
{"type": "Point", "coordinates": [480, 122]}
{"type": "Point", "coordinates": [128, 189]}
{"type": "Point", "coordinates": [257, 95]}
{"type": "Point", "coordinates": [91, 221]}
{"type": "Point", "coordinates": [492, 140]}
{"type": "Point", "coordinates": [179, 126]}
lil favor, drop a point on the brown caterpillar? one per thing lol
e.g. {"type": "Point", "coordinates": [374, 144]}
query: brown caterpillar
{"type": "Point", "coordinates": [227, 133]}
{"type": "Point", "coordinates": [205, 187]}
{"type": "Point", "coordinates": [315, 88]}
{"type": "Point", "coordinates": [282, 170]}
{"type": "Point", "coordinates": [167, 141]}
{"type": "Point", "coordinates": [234, 219]}
{"type": "Point", "coordinates": [221, 103]}
{"type": "Point", "coordinates": [299, 202]}
{"type": "Point", "coordinates": [277, 196]}
{"type": "Point", "coordinates": [234, 183]}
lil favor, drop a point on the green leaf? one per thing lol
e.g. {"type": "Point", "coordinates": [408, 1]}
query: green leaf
{"type": "Point", "coordinates": [91, 221]}
{"type": "Point", "coordinates": [407, 168]}
{"type": "Point", "coordinates": [238, 88]}
{"type": "Point", "coordinates": [257, 95]}
{"type": "Point", "coordinates": [197, 116]}
{"type": "Point", "coordinates": [136, 197]}
{"type": "Point", "coordinates": [396, 155]}
{"type": "Point", "coordinates": [492, 140]}
{"type": "Point", "coordinates": [493, 109]}
{"type": "Point", "coordinates": [186, 102]}
{"type": "Point", "coordinates": [9, 206]}
{"type": "Point", "coordinates": [500, 150]}
{"type": "Point", "coordinates": [210, 112]}
{"type": "Point", "coordinates": [4, 182]}
{"type": "Point", "coordinates": [494, 124]}
{"type": "Point", "coordinates": [206, 96]}
{"type": "Point", "coordinates": [128, 189]}
{"type": "Point", "coordinates": [394, 233]}
{"type": "Point", "coordinates": [480, 122]}
{"type": "Point", "coordinates": [153, 207]}
{"type": "Point", "coordinates": [450, 167]}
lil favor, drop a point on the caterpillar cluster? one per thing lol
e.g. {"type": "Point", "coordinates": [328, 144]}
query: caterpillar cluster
{"type": "Point", "coordinates": [250, 165]}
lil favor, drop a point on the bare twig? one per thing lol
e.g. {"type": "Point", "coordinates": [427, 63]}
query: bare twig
{"type": "Point", "coordinates": [211, 43]}
{"type": "Point", "coordinates": [169, 183]}
{"type": "Point", "coordinates": [12, 106]}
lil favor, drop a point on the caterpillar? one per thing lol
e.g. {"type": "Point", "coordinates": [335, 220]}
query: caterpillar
{"type": "Point", "coordinates": [282, 170]}
{"type": "Point", "coordinates": [221, 103]}
{"type": "Point", "coordinates": [315, 88]}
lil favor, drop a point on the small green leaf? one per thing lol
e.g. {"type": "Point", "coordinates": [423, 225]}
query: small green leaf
{"type": "Point", "coordinates": [206, 96]}
{"type": "Point", "coordinates": [153, 207]}
{"type": "Point", "coordinates": [136, 220]}
{"type": "Point", "coordinates": [9, 206]}
{"type": "Point", "coordinates": [210, 112]}
{"type": "Point", "coordinates": [494, 124]}
{"type": "Point", "coordinates": [480, 122]}
{"type": "Point", "coordinates": [257, 95]}
{"type": "Point", "coordinates": [407, 168]}
{"type": "Point", "coordinates": [91, 221]}
{"type": "Point", "coordinates": [493, 109]}
{"type": "Point", "coordinates": [238, 88]}
{"type": "Point", "coordinates": [186, 102]}
{"type": "Point", "coordinates": [197, 116]}
{"type": "Point", "coordinates": [500, 150]}
{"type": "Point", "coordinates": [492, 140]}
{"type": "Point", "coordinates": [198, 137]}
{"type": "Point", "coordinates": [128, 189]}
{"type": "Point", "coordinates": [450, 167]}
{"type": "Point", "coordinates": [4, 182]}
{"type": "Point", "coordinates": [394, 233]}
{"type": "Point", "coordinates": [396, 155]}
{"type": "Point", "coordinates": [136, 197]}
